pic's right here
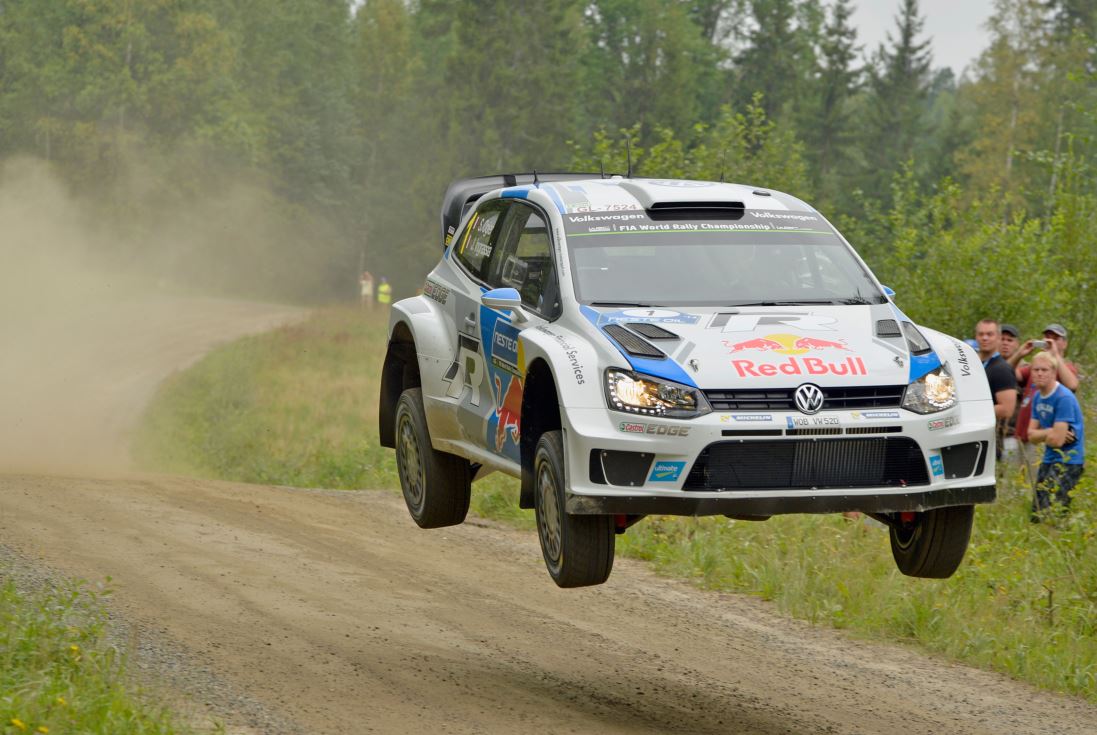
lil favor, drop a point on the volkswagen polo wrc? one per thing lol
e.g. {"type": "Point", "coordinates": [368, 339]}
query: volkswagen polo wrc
{"type": "Point", "coordinates": [629, 347]}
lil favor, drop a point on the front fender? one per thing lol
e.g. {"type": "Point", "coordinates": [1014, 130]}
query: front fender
{"type": "Point", "coordinates": [576, 364]}
{"type": "Point", "coordinates": [963, 361]}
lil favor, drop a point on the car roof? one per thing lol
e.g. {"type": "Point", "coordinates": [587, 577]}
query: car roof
{"type": "Point", "coordinates": [586, 192]}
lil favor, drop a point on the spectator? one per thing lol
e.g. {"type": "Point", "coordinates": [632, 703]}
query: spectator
{"type": "Point", "coordinates": [1057, 422]}
{"type": "Point", "coordinates": [1003, 382]}
{"type": "Point", "coordinates": [1011, 340]}
{"type": "Point", "coordinates": [366, 283]}
{"type": "Point", "coordinates": [1055, 342]}
{"type": "Point", "coordinates": [384, 293]}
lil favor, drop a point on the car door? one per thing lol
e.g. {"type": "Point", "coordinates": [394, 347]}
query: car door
{"type": "Point", "coordinates": [466, 378]}
{"type": "Point", "coordinates": [523, 259]}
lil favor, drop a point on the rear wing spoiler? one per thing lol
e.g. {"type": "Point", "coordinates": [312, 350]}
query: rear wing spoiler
{"type": "Point", "coordinates": [463, 193]}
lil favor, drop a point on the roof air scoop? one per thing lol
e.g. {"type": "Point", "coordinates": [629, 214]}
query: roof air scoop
{"type": "Point", "coordinates": [696, 210]}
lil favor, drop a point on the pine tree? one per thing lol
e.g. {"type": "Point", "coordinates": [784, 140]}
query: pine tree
{"type": "Point", "coordinates": [826, 124]}
{"type": "Point", "coordinates": [650, 62]}
{"type": "Point", "coordinates": [899, 79]}
{"type": "Point", "coordinates": [777, 54]}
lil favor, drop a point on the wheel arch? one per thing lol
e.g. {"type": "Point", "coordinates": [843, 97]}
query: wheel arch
{"type": "Point", "coordinates": [400, 372]}
{"type": "Point", "coordinates": [540, 413]}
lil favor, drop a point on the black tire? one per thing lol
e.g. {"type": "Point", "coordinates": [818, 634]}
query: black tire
{"type": "Point", "coordinates": [578, 549]}
{"type": "Point", "coordinates": [436, 485]}
{"type": "Point", "coordinates": [934, 543]}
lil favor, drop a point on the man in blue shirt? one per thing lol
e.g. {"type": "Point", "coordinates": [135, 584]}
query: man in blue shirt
{"type": "Point", "coordinates": [1057, 422]}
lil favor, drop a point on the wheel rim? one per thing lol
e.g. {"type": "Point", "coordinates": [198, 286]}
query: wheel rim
{"type": "Point", "coordinates": [411, 462]}
{"type": "Point", "coordinates": [905, 533]}
{"type": "Point", "coordinates": [549, 524]}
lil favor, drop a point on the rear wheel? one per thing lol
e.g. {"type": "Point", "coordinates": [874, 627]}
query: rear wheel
{"type": "Point", "coordinates": [578, 549]}
{"type": "Point", "coordinates": [932, 543]}
{"type": "Point", "coordinates": [436, 485]}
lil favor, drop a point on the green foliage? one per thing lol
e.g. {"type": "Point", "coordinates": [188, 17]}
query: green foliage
{"type": "Point", "coordinates": [745, 147]}
{"type": "Point", "coordinates": [59, 674]}
{"type": "Point", "coordinates": [344, 121]}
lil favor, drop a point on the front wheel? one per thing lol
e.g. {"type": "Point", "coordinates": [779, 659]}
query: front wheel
{"type": "Point", "coordinates": [436, 485]}
{"type": "Point", "coordinates": [931, 544]}
{"type": "Point", "coordinates": [578, 549]}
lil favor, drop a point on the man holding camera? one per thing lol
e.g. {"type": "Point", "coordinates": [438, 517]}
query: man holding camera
{"type": "Point", "coordinates": [1055, 344]}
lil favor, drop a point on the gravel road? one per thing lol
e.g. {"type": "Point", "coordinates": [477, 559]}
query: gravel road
{"type": "Point", "coordinates": [286, 611]}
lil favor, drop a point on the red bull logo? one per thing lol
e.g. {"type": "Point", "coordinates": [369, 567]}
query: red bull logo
{"type": "Point", "coordinates": [786, 344]}
{"type": "Point", "coordinates": [800, 366]}
{"type": "Point", "coordinates": [509, 412]}
{"type": "Point", "coordinates": [793, 345]}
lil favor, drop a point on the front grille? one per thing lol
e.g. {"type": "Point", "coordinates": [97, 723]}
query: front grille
{"type": "Point", "coordinates": [780, 399]}
{"type": "Point", "coordinates": [807, 464]}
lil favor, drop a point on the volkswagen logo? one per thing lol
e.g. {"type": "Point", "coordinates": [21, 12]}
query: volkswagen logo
{"type": "Point", "coordinates": [809, 399]}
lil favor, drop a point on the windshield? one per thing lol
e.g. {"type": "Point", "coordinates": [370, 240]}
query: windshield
{"type": "Point", "coordinates": [759, 258]}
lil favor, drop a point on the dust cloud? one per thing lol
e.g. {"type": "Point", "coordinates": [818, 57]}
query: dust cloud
{"type": "Point", "coordinates": [98, 307]}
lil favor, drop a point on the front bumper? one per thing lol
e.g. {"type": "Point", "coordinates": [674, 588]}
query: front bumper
{"type": "Point", "coordinates": [668, 453]}
{"type": "Point", "coordinates": [728, 504]}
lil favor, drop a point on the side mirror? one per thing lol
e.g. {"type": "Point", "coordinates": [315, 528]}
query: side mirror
{"type": "Point", "coordinates": [505, 299]}
{"type": "Point", "coordinates": [889, 291]}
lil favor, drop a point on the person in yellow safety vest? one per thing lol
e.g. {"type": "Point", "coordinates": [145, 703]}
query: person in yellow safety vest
{"type": "Point", "coordinates": [384, 292]}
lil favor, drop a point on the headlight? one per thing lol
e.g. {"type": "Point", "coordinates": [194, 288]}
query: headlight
{"type": "Point", "coordinates": [935, 391]}
{"type": "Point", "coordinates": [632, 393]}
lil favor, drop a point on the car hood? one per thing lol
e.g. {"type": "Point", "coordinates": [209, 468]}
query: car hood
{"type": "Point", "coordinates": [764, 347]}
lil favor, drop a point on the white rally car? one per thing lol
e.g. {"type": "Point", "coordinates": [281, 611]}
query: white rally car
{"type": "Point", "coordinates": [631, 346]}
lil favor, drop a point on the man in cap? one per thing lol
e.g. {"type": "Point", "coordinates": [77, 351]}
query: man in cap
{"type": "Point", "coordinates": [1011, 340]}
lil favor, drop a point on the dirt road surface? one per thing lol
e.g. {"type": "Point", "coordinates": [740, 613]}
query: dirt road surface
{"type": "Point", "coordinates": [285, 610]}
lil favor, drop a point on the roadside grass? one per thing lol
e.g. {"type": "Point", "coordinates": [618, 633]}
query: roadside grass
{"type": "Point", "coordinates": [298, 407]}
{"type": "Point", "coordinates": [58, 674]}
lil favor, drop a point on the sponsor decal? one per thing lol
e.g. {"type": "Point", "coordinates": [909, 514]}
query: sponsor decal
{"type": "Point", "coordinates": [728, 418]}
{"type": "Point", "coordinates": [570, 352]}
{"type": "Point", "coordinates": [937, 465]}
{"type": "Point", "coordinates": [466, 370]}
{"type": "Point", "coordinates": [504, 346]}
{"type": "Point", "coordinates": [800, 366]}
{"type": "Point", "coordinates": [803, 321]}
{"type": "Point", "coordinates": [592, 216]}
{"type": "Point", "coordinates": [804, 422]}
{"type": "Point", "coordinates": [858, 415]}
{"type": "Point", "coordinates": [678, 184]}
{"type": "Point", "coordinates": [661, 316]}
{"type": "Point", "coordinates": [786, 344]}
{"type": "Point", "coordinates": [961, 360]}
{"type": "Point", "coordinates": [436, 291]}
{"type": "Point", "coordinates": [508, 413]}
{"type": "Point", "coordinates": [944, 423]}
{"type": "Point", "coordinates": [666, 471]}
{"type": "Point", "coordinates": [657, 429]}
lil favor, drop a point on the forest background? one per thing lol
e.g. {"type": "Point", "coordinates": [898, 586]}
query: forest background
{"type": "Point", "coordinates": [269, 147]}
